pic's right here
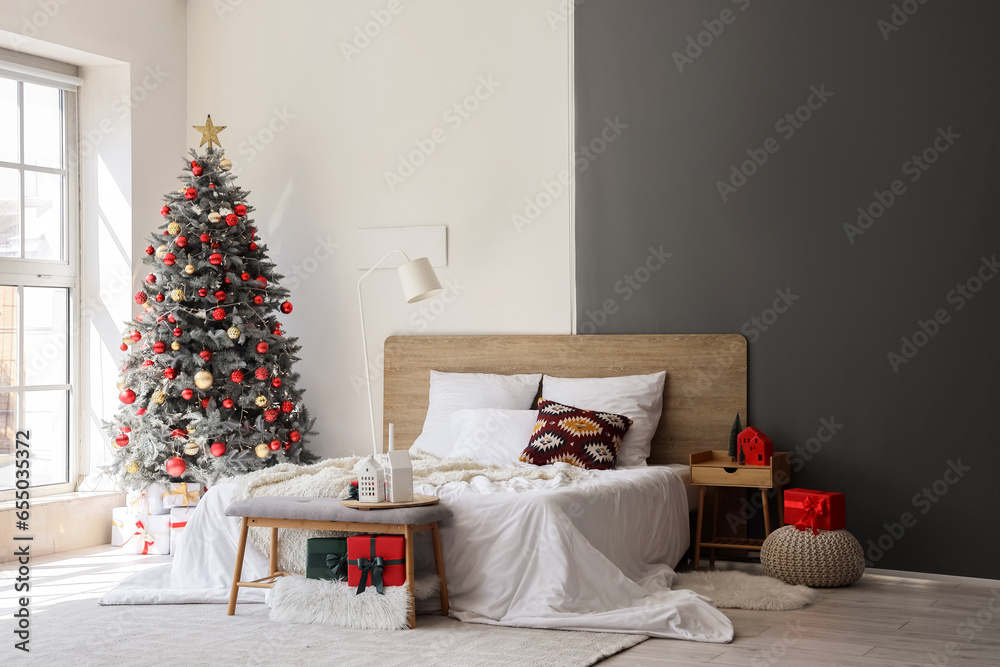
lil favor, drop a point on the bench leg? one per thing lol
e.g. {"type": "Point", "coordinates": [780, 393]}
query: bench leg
{"type": "Point", "coordinates": [238, 572]}
{"type": "Point", "coordinates": [411, 576]}
{"type": "Point", "coordinates": [274, 551]}
{"type": "Point", "coordinates": [439, 561]}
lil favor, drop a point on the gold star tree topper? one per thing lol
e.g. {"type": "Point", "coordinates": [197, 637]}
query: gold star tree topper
{"type": "Point", "coordinates": [209, 133]}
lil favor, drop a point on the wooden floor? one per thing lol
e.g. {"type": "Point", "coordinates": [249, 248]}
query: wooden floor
{"type": "Point", "coordinates": [879, 621]}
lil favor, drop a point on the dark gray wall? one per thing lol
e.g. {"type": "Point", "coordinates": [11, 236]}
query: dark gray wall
{"type": "Point", "coordinates": [826, 356]}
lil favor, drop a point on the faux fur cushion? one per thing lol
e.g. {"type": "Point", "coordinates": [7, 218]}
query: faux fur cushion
{"type": "Point", "coordinates": [583, 438]}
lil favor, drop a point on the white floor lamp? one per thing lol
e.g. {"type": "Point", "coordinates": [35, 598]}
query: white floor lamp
{"type": "Point", "coordinates": [419, 282]}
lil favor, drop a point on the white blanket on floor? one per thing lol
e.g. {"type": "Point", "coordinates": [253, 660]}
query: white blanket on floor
{"type": "Point", "coordinates": [576, 554]}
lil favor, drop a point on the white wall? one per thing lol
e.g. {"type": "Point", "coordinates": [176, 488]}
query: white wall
{"type": "Point", "coordinates": [313, 135]}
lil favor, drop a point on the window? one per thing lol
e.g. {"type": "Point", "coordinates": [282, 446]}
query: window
{"type": "Point", "coordinates": [38, 276]}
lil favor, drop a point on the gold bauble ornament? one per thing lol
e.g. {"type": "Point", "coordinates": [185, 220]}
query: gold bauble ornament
{"type": "Point", "coordinates": [263, 451]}
{"type": "Point", "coordinates": [127, 340]}
{"type": "Point", "coordinates": [158, 397]}
{"type": "Point", "coordinates": [190, 428]}
{"type": "Point", "coordinates": [191, 449]}
{"type": "Point", "coordinates": [161, 251]}
{"type": "Point", "coordinates": [260, 401]}
{"type": "Point", "coordinates": [175, 346]}
{"type": "Point", "coordinates": [214, 216]}
{"type": "Point", "coordinates": [232, 332]}
{"type": "Point", "coordinates": [132, 467]}
{"type": "Point", "coordinates": [225, 164]}
{"type": "Point", "coordinates": [177, 294]}
{"type": "Point", "coordinates": [174, 228]}
{"type": "Point", "coordinates": [189, 269]}
{"type": "Point", "coordinates": [120, 385]}
{"type": "Point", "coordinates": [203, 379]}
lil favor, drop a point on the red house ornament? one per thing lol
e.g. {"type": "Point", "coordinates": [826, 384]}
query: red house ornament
{"type": "Point", "coordinates": [755, 448]}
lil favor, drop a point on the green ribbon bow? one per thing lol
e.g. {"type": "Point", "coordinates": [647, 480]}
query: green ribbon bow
{"type": "Point", "coordinates": [374, 566]}
{"type": "Point", "coordinates": [338, 565]}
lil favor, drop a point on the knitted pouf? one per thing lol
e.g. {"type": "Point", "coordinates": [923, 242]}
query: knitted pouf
{"type": "Point", "coordinates": [832, 558]}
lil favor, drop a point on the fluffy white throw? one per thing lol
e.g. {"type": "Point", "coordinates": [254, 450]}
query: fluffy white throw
{"type": "Point", "coordinates": [331, 479]}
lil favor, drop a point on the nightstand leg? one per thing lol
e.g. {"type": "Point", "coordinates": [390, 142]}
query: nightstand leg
{"type": "Point", "coordinates": [697, 530]}
{"type": "Point", "coordinates": [716, 491]}
{"type": "Point", "coordinates": [781, 506]}
{"type": "Point", "coordinates": [767, 512]}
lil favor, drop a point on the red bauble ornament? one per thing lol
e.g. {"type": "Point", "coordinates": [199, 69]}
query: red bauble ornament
{"type": "Point", "coordinates": [287, 446]}
{"type": "Point", "coordinates": [262, 280]}
{"type": "Point", "coordinates": [147, 362]}
{"type": "Point", "coordinates": [278, 332]}
{"type": "Point", "coordinates": [287, 407]}
{"type": "Point", "coordinates": [187, 394]}
{"type": "Point", "coordinates": [203, 292]}
{"type": "Point", "coordinates": [127, 396]}
{"type": "Point", "coordinates": [178, 433]}
{"type": "Point", "coordinates": [136, 336]}
{"type": "Point", "coordinates": [227, 403]}
{"type": "Point", "coordinates": [218, 314]}
{"type": "Point", "coordinates": [168, 259]}
{"type": "Point", "coordinates": [204, 402]}
{"type": "Point", "coordinates": [240, 209]}
{"type": "Point", "coordinates": [251, 246]}
{"type": "Point", "coordinates": [236, 376]}
{"type": "Point", "coordinates": [170, 318]}
{"type": "Point", "coordinates": [196, 170]}
{"type": "Point", "coordinates": [140, 411]}
{"type": "Point", "coordinates": [150, 279]}
{"type": "Point", "coordinates": [270, 415]}
{"type": "Point", "coordinates": [178, 332]}
{"type": "Point", "coordinates": [220, 295]}
{"type": "Point", "coordinates": [175, 466]}
{"type": "Point", "coordinates": [275, 445]}
{"type": "Point", "coordinates": [294, 436]}
{"type": "Point", "coordinates": [126, 429]}
{"type": "Point", "coordinates": [169, 373]}
{"type": "Point", "coordinates": [215, 245]}
{"type": "Point", "coordinates": [165, 211]}
{"type": "Point", "coordinates": [141, 298]}
{"type": "Point", "coordinates": [258, 299]}
{"type": "Point", "coordinates": [150, 250]}
{"type": "Point", "coordinates": [181, 241]}
{"type": "Point", "coordinates": [121, 440]}
{"type": "Point", "coordinates": [159, 347]}
{"type": "Point", "coordinates": [244, 276]}
{"type": "Point", "coordinates": [194, 163]}
{"type": "Point", "coordinates": [286, 307]}
{"type": "Point", "coordinates": [276, 382]}
{"type": "Point", "coordinates": [261, 374]}
{"type": "Point", "coordinates": [206, 355]}
{"type": "Point", "coordinates": [218, 449]}
{"type": "Point", "coordinates": [215, 258]}
{"type": "Point", "coordinates": [190, 193]}
{"type": "Point", "coordinates": [159, 297]}
{"type": "Point", "coordinates": [138, 318]}
{"type": "Point", "coordinates": [205, 238]}
{"type": "Point", "coordinates": [211, 185]}
{"type": "Point", "coordinates": [232, 220]}
{"type": "Point", "coordinates": [123, 347]}
{"type": "Point", "coordinates": [262, 347]}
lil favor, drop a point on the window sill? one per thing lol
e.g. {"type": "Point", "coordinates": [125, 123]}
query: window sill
{"type": "Point", "coordinates": [57, 498]}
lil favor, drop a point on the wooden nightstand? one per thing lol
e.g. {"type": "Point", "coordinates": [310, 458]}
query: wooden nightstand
{"type": "Point", "coordinates": [715, 469]}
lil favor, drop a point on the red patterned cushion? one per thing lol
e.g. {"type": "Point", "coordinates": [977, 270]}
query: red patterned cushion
{"type": "Point", "coordinates": [584, 438]}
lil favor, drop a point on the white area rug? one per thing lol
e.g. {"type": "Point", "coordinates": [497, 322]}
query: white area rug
{"type": "Point", "coordinates": [730, 589]}
{"type": "Point", "coordinates": [83, 634]}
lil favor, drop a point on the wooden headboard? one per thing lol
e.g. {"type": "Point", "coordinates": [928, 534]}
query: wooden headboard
{"type": "Point", "coordinates": [706, 377]}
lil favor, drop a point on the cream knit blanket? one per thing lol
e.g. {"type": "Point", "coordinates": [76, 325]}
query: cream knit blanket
{"type": "Point", "coordinates": [331, 479]}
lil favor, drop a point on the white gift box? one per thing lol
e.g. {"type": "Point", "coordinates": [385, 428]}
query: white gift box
{"type": "Point", "coordinates": [146, 501]}
{"type": "Point", "coordinates": [118, 517]}
{"type": "Point", "coordinates": [146, 534]}
{"type": "Point", "coordinates": [178, 521]}
{"type": "Point", "coordinates": [181, 494]}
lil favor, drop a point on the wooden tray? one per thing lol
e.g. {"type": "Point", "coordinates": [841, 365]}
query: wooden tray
{"type": "Point", "coordinates": [418, 501]}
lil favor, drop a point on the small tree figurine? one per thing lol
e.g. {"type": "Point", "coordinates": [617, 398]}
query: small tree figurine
{"type": "Point", "coordinates": [733, 432]}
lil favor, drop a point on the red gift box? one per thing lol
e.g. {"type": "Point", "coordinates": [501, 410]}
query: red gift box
{"type": "Point", "coordinates": [818, 510]}
{"type": "Point", "coordinates": [380, 558]}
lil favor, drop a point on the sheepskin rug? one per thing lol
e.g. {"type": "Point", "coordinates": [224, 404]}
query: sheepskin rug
{"type": "Point", "coordinates": [731, 589]}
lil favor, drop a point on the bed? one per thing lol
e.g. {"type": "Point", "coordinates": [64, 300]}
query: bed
{"type": "Point", "coordinates": [591, 554]}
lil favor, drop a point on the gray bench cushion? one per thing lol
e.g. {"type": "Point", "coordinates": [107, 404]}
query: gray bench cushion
{"type": "Point", "coordinates": [330, 509]}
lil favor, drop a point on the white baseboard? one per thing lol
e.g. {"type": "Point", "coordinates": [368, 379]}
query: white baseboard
{"type": "Point", "coordinates": [926, 576]}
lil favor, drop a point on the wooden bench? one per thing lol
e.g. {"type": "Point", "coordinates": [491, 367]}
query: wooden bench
{"type": "Point", "coordinates": [276, 512]}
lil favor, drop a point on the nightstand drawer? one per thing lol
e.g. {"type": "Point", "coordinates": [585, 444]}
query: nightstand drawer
{"type": "Point", "coordinates": [742, 476]}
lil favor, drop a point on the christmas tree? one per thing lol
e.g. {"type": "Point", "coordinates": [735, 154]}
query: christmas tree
{"type": "Point", "coordinates": [207, 387]}
{"type": "Point", "coordinates": [736, 429]}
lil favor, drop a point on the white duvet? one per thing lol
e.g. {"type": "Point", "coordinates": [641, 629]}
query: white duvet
{"type": "Point", "coordinates": [588, 554]}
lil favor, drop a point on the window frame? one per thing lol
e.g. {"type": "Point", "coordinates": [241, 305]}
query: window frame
{"type": "Point", "coordinates": [21, 272]}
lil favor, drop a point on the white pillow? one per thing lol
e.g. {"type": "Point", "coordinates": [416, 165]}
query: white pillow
{"type": "Point", "coordinates": [451, 392]}
{"type": "Point", "coordinates": [493, 436]}
{"type": "Point", "coordinates": [638, 397]}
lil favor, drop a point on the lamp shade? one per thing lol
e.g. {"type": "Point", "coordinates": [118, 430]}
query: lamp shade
{"type": "Point", "coordinates": [418, 280]}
